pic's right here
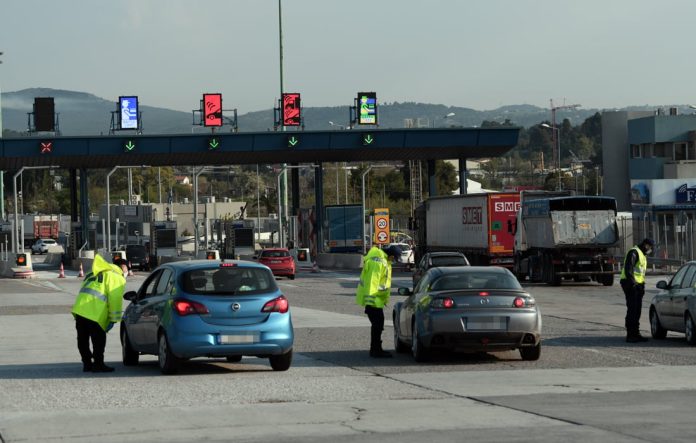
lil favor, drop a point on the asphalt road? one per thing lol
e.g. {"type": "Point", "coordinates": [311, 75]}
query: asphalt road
{"type": "Point", "coordinates": [589, 385]}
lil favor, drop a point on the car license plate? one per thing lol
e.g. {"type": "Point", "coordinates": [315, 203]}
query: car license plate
{"type": "Point", "coordinates": [238, 339]}
{"type": "Point", "coordinates": [276, 261]}
{"type": "Point", "coordinates": [584, 262]}
{"type": "Point", "coordinates": [486, 324]}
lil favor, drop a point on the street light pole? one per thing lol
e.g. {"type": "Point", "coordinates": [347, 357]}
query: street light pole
{"type": "Point", "coordinates": [557, 133]}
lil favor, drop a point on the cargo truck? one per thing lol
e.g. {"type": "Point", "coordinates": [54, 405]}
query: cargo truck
{"type": "Point", "coordinates": [566, 237]}
{"type": "Point", "coordinates": [481, 226]}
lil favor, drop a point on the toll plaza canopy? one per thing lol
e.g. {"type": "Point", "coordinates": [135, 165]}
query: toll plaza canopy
{"type": "Point", "coordinates": [256, 147]}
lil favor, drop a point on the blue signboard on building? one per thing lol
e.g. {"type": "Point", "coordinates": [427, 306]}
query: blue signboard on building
{"type": "Point", "coordinates": [686, 194]}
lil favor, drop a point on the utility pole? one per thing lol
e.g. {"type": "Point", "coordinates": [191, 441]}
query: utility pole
{"type": "Point", "coordinates": [556, 135]}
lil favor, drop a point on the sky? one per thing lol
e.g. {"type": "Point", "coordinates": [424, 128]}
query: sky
{"type": "Point", "coordinates": [480, 54]}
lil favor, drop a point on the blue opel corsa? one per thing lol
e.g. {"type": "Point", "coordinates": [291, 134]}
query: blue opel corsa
{"type": "Point", "coordinates": [207, 308]}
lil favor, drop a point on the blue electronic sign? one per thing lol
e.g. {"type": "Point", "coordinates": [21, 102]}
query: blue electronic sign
{"type": "Point", "coordinates": [128, 111]}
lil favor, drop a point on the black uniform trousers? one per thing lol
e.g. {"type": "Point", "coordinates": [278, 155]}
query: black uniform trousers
{"type": "Point", "coordinates": [90, 330]}
{"type": "Point", "coordinates": [376, 317]}
{"type": "Point", "coordinates": [634, 303]}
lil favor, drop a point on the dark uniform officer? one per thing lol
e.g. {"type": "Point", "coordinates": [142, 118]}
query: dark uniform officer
{"type": "Point", "coordinates": [633, 285]}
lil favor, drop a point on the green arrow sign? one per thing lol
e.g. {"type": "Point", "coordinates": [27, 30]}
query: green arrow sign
{"type": "Point", "coordinates": [293, 141]}
{"type": "Point", "coordinates": [367, 139]}
{"type": "Point", "coordinates": [213, 144]}
{"type": "Point", "coordinates": [129, 146]}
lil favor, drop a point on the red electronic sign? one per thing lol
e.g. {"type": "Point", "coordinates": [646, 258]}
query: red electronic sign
{"type": "Point", "coordinates": [212, 109]}
{"type": "Point", "coordinates": [46, 147]}
{"type": "Point", "coordinates": [291, 109]}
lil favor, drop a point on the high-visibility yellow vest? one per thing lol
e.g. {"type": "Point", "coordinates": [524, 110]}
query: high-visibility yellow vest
{"type": "Point", "coordinates": [639, 268]}
{"type": "Point", "coordinates": [375, 279]}
{"type": "Point", "coordinates": [101, 295]}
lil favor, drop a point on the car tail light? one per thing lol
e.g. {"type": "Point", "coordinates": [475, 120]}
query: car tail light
{"type": "Point", "coordinates": [443, 303]}
{"type": "Point", "coordinates": [522, 302]}
{"type": "Point", "coordinates": [279, 304]}
{"type": "Point", "coordinates": [227, 265]}
{"type": "Point", "coordinates": [484, 294]}
{"type": "Point", "coordinates": [188, 307]}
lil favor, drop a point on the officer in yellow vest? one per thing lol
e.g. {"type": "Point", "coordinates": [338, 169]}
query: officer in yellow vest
{"type": "Point", "coordinates": [633, 284]}
{"type": "Point", "coordinates": [373, 292]}
{"type": "Point", "coordinates": [97, 308]}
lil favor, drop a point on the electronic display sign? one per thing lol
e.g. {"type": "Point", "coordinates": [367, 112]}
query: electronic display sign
{"type": "Point", "coordinates": [291, 109]}
{"type": "Point", "coordinates": [44, 112]}
{"type": "Point", "coordinates": [212, 109]}
{"type": "Point", "coordinates": [367, 108]}
{"type": "Point", "coordinates": [128, 112]}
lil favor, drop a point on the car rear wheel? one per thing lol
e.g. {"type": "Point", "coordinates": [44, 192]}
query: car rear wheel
{"type": "Point", "coordinates": [607, 280]}
{"type": "Point", "coordinates": [420, 352]}
{"type": "Point", "coordinates": [689, 329]}
{"type": "Point", "coordinates": [129, 355]}
{"type": "Point", "coordinates": [281, 362]}
{"type": "Point", "coordinates": [531, 353]}
{"type": "Point", "coordinates": [656, 329]}
{"type": "Point", "coordinates": [168, 362]}
{"type": "Point", "coordinates": [234, 358]}
{"type": "Point", "coordinates": [292, 277]}
{"type": "Point", "coordinates": [399, 346]}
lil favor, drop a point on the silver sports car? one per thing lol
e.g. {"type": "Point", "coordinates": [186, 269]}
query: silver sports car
{"type": "Point", "coordinates": [674, 308]}
{"type": "Point", "coordinates": [467, 308]}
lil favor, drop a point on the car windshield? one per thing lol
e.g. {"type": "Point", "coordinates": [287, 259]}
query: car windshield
{"type": "Point", "coordinates": [270, 254]}
{"type": "Point", "coordinates": [448, 260]}
{"type": "Point", "coordinates": [479, 280]}
{"type": "Point", "coordinates": [228, 280]}
{"type": "Point", "coordinates": [135, 250]}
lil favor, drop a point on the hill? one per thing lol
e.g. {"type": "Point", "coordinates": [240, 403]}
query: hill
{"type": "Point", "coordinates": [81, 113]}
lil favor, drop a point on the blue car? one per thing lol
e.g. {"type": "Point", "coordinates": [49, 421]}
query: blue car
{"type": "Point", "coordinates": [207, 308]}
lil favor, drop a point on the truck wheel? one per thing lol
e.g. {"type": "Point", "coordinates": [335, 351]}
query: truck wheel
{"type": "Point", "coordinates": [607, 280]}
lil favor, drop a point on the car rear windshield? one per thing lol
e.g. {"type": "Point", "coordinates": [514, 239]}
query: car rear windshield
{"type": "Point", "coordinates": [228, 281]}
{"type": "Point", "coordinates": [479, 280]}
{"type": "Point", "coordinates": [448, 261]}
{"type": "Point", "coordinates": [267, 254]}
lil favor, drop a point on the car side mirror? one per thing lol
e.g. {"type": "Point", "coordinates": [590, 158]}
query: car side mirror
{"type": "Point", "coordinates": [130, 295]}
{"type": "Point", "coordinates": [661, 284]}
{"type": "Point", "coordinates": [404, 291]}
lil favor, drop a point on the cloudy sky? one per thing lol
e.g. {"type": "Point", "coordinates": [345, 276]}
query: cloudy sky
{"type": "Point", "coordinates": [473, 53]}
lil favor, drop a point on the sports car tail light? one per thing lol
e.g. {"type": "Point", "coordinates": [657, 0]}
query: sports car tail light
{"type": "Point", "coordinates": [188, 307]}
{"type": "Point", "coordinates": [484, 294]}
{"type": "Point", "coordinates": [443, 303]}
{"type": "Point", "coordinates": [522, 302]}
{"type": "Point", "coordinates": [279, 304]}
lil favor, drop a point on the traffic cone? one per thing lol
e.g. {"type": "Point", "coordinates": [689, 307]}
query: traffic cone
{"type": "Point", "coordinates": [82, 272]}
{"type": "Point", "coordinates": [315, 267]}
{"type": "Point", "coordinates": [130, 269]}
{"type": "Point", "coordinates": [62, 271]}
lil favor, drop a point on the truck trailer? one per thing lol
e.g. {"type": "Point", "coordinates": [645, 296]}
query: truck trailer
{"type": "Point", "coordinates": [479, 225]}
{"type": "Point", "coordinates": [565, 237]}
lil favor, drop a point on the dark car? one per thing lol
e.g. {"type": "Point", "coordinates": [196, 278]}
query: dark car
{"type": "Point", "coordinates": [437, 259]}
{"type": "Point", "coordinates": [467, 309]}
{"type": "Point", "coordinates": [207, 308]}
{"type": "Point", "coordinates": [138, 257]}
{"type": "Point", "coordinates": [674, 308]}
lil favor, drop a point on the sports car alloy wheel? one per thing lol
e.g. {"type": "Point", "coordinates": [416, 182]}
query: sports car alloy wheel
{"type": "Point", "coordinates": [656, 329]}
{"type": "Point", "coordinates": [689, 329]}
{"type": "Point", "coordinates": [420, 352]}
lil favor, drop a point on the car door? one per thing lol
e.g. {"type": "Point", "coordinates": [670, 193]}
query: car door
{"type": "Point", "coordinates": [154, 310]}
{"type": "Point", "coordinates": [671, 321]}
{"type": "Point", "coordinates": [408, 308]}
{"type": "Point", "coordinates": [680, 298]}
{"type": "Point", "coordinates": [140, 311]}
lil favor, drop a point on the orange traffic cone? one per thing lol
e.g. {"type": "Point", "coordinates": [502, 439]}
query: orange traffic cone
{"type": "Point", "coordinates": [62, 271]}
{"type": "Point", "coordinates": [315, 268]}
{"type": "Point", "coordinates": [82, 272]}
{"type": "Point", "coordinates": [130, 269]}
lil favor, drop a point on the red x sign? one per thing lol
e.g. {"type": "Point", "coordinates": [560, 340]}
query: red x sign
{"type": "Point", "coordinates": [46, 147]}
